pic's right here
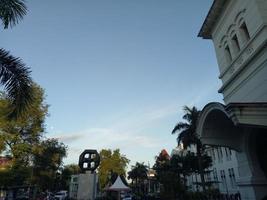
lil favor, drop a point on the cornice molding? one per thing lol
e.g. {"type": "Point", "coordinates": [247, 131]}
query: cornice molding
{"type": "Point", "coordinates": [248, 114]}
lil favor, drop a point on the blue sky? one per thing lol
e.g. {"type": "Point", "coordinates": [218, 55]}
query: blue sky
{"type": "Point", "coordinates": [117, 73]}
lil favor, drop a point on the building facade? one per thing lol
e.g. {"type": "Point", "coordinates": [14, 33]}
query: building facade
{"type": "Point", "coordinates": [83, 186]}
{"type": "Point", "coordinates": [238, 30]}
{"type": "Point", "coordinates": [223, 173]}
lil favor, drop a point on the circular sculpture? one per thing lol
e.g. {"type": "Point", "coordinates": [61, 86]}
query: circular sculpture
{"type": "Point", "coordinates": [89, 160]}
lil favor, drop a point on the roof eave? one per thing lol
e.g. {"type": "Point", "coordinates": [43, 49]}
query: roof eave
{"type": "Point", "coordinates": [211, 19]}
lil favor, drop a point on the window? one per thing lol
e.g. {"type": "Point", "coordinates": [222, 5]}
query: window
{"type": "Point", "coordinates": [220, 155]}
{"type": "Point", "coordinates": [232, 177]}
{"type": "Point", "coordinates": [228, 55]}
{"type": "Point", "coordinates": [228, 153]}
{"type": "Point", "coordinates": [215, 177]}
{"type": "Point", "coordinates": [213, 155]}
{"type": "Point", "coordinates": [235, 44]}
{"type": "Point", "coordinates": [224, 184]}
{"type": "Point", "coordinates": [208, 177]}
{"type": "Point", "coordinates": [244, 32]}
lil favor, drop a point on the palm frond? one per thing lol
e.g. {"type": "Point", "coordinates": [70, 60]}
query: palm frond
{"type": "Point", "coordinates": [187, 129]}
{"type": "Point", "coordinates": [186, 137]}
{"type": "Point", "coordinates": [180, 126]}
{"type": "Point", "coordinates": [15, 77]}
{"type": "Point", "coordinates": [12, 11]}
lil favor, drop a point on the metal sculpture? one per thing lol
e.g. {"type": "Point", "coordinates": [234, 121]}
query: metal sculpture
{"type": "Point", "coordinates": [89, 160]}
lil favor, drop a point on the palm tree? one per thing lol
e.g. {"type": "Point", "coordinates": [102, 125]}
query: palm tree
{"type": "Point", "coordinates": [11, 12]}
{"type": "Point", "coordinates": [14, 75]}
{"type": "Point", "coordinates": [188, 136]}
{"type": "Point", "coordinates": [138, 174]}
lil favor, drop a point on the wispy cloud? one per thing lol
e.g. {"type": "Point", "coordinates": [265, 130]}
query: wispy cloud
{"type": "Point", "coordinates": [69, 138]}
{"type": "Point", "coordinates": [134, 133]}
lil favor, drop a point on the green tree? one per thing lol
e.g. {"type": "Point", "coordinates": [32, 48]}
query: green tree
{"type": "Point", "coordinates": [189, 164]}
{"type": "Point", "coordinates": [168, 173]}
{"type": "Point", "coordinates": [138, 174]}
{"type": "Point", "coordinates": [18, 137]}
{"type": "Point", "coordinates": [66, 173]}
{"type": "Point", "coordinates": [111, 162]}
{"type": "Point", "coordinates": [14, 75]}
{"type": "Point", "coordinates": [188, 136]}
{"type": "Point", "coordinates": [47, 161]}
{"type": "Point", "coordinates": [11, 12]}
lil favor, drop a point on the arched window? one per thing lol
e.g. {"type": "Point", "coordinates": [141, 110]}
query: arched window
{"type": "Point", "coordinates": [244, 32]}
{"type": "Point", "coordinates": [235, 44]}
{"type": "Point", "coordinates": [227, 54]}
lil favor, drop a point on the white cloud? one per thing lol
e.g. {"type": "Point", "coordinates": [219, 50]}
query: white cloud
{"type": "Point", "coordinates": [133, 133]}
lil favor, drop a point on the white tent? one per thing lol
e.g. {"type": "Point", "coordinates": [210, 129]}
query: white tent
{"type": "Point", "coordinates": [118, 185]}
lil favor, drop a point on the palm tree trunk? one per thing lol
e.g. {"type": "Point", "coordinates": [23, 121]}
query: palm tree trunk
{"type": "Point", "coordinates": [201, 171]}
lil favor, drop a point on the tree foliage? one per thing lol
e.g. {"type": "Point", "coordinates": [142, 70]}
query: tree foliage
{"type": "Point", "coordinates": [111, 162]}
{"type": "Point", "coordinates": [168, 173]}
{"type": "Point", "coordinates": [11, 12]}
{"type": "Point", "coordinates": [19, 136]}
{"type": "Point", "coordinates": [187, 129]}
{"type": "Point", "coordinates": [14, 75]}
{"type": "Point", "coordinates": [66, 173]}
{"type": "Point", "coordinates": [34, 158]}
{"type": "Point", "coordinates": [47, 160]}
{"type": "Point", "coordinates": [138, 174]}
{"type": "Point", "coordinates": [188, 136]}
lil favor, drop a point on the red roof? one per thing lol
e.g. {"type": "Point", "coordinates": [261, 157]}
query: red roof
{"type": "Point", "coordinates": [165, 153]}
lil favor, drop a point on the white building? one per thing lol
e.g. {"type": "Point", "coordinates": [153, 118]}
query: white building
{"type": "Point", "coordinates": [224, 170]}
{"type": "Point", "coordinates": [222, 174]}
{"type": "Point", "coordinates": [83, 186]}
{"type": "Point", "coordinates": [73, 190]}
{"type": "Point", "coordinates": [238, 30]}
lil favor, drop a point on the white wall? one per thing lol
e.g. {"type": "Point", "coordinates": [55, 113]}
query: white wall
{"type": "Point", "coordinates": [244, 78]}
{"type": "Point", "coordinates": [225, 163]}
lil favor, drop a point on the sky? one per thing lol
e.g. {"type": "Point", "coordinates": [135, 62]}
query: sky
{"type": "Point", "coordinates": [117, 73]}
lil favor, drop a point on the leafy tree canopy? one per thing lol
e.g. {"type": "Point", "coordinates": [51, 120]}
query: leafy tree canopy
{"type": "Point", "coordinates": [17, 137]}
{"type": "Point", "coordinates": [14, 75]}
{"type": "Point", "coordinates": [47, 160]}
{"type": "Point", "coordinates": [168, 173]}
{"type": "Point", "coordinates": [138, 172]}
{"type": "Point", "coordinates": [66, 173]}
{"type": "Point", "coordinates": [111, 162]}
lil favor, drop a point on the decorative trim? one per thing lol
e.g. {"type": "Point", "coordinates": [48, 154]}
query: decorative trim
{"type": "Point", "coordinates": [248, 114]}
{"type": "Point", "coordinates": [238, 18]}
{"type": "Point", "coordinates": [243, 49]}
{"type": "Point", "coordinates": [237, 72]}
{"type": "Point", "coordinates": [210, 20]}
{"type": "Point", "coordinates": [245, 80]}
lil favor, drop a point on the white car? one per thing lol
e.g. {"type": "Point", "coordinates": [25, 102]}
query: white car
{"type": "Point", "coordinates": [61, 195]}
{"type": "Point", "coordinates": [127, 197]}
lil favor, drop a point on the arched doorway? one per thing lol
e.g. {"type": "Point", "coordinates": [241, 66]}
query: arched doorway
{"type": "Point", "coordinates": [216, 127]}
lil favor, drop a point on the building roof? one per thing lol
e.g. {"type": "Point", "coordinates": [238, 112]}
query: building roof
{"type": "Point", "coordinates": [211, 19]}
{"type": "Point", "coordinates": [164, 153]}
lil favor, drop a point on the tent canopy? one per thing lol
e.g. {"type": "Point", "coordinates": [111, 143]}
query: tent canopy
{"type": "Point", "coordinates": [118, 185]}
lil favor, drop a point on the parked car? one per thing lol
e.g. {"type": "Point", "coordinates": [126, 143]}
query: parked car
{"type": "Point", "coordinates": [49, 196]}
{"type": "Point", "coordinates": [127, 197]}
{"type": "Point", "coordinates": [22, 195]}
{"type": "Point", "coordinates": [61, 195]}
